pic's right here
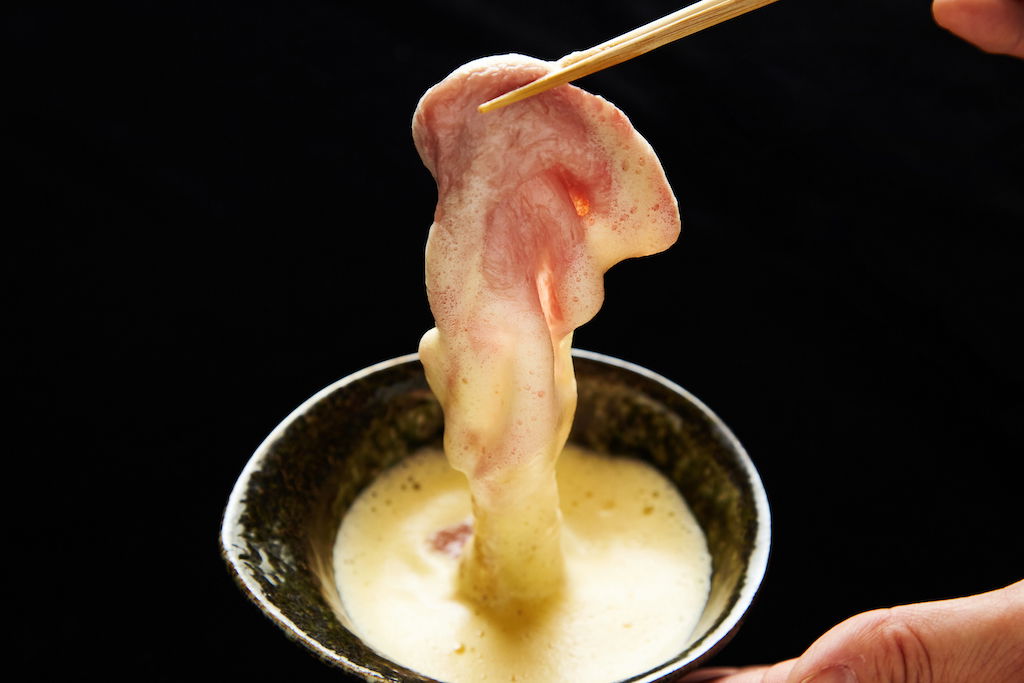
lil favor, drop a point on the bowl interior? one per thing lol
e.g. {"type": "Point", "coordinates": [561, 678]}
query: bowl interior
{"type": "Point", "coordinates": [283, 516]}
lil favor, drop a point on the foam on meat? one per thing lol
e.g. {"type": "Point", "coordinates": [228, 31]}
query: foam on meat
{"type": "Point", "coordinates": [535, 202]}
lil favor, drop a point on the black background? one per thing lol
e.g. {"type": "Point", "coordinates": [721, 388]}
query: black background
{"type": "Point", "coordinates": [216, 209]}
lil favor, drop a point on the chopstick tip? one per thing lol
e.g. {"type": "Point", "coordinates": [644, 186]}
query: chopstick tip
{"type": "Point", "coordinates": [489, 105]}
{"type": "Point", "coordinates": [501, 101]}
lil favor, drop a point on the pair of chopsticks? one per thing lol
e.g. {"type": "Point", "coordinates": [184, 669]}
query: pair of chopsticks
{"type": "Point", "coordinates": [685, 22]}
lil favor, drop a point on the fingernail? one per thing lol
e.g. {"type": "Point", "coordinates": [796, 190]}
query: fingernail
{"type": "Point", "coordinates": [833, 674]}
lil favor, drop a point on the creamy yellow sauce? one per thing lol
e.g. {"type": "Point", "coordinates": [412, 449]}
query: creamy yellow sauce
{"type": "Point", "coordinates": [636, 576]}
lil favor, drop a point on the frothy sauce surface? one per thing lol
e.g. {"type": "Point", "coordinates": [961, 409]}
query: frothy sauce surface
{"type": "Point", "coordinates": [637, 575]}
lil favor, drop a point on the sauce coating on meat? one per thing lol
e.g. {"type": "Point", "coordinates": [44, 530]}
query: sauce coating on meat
{"type": "Point", "coordinates": [535, 202]}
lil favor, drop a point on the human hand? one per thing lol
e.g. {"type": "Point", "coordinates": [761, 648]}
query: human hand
{"type": "Point", "coordinates": [993, 25]}
{"type": "Point", "coordinates": [979, 639]}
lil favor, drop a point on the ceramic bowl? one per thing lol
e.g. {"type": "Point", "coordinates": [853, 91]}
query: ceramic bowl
{"type": "Point", "coordinates": [283, 514]}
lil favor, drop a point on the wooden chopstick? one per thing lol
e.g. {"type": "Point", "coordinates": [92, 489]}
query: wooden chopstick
{"type": "Point", "coordinates": [685, 22]}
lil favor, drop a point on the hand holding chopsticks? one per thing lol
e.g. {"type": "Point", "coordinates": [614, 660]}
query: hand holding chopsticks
{"type": "Point", "coordinates": [685, 22]}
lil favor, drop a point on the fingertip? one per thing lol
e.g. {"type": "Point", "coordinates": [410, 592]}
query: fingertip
{"type": "Point", "coordinates": [995, 26]}
{"type": "Point", "coordinates": [968, 19]}
{"type": "Point", "coordinates": [945, 13]}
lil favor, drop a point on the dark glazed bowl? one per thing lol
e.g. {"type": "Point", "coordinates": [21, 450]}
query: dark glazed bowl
{"type": "Point", "coordinates": [283, 514]}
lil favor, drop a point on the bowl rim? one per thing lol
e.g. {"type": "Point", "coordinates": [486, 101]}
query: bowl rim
{"type": "Point", "coordinates": [231, 523]}
{"type": "Point", "coordinates": [708, 644]}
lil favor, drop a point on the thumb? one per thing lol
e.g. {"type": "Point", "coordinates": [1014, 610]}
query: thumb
{"type": "Point", "coordinates": [979, 638]}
